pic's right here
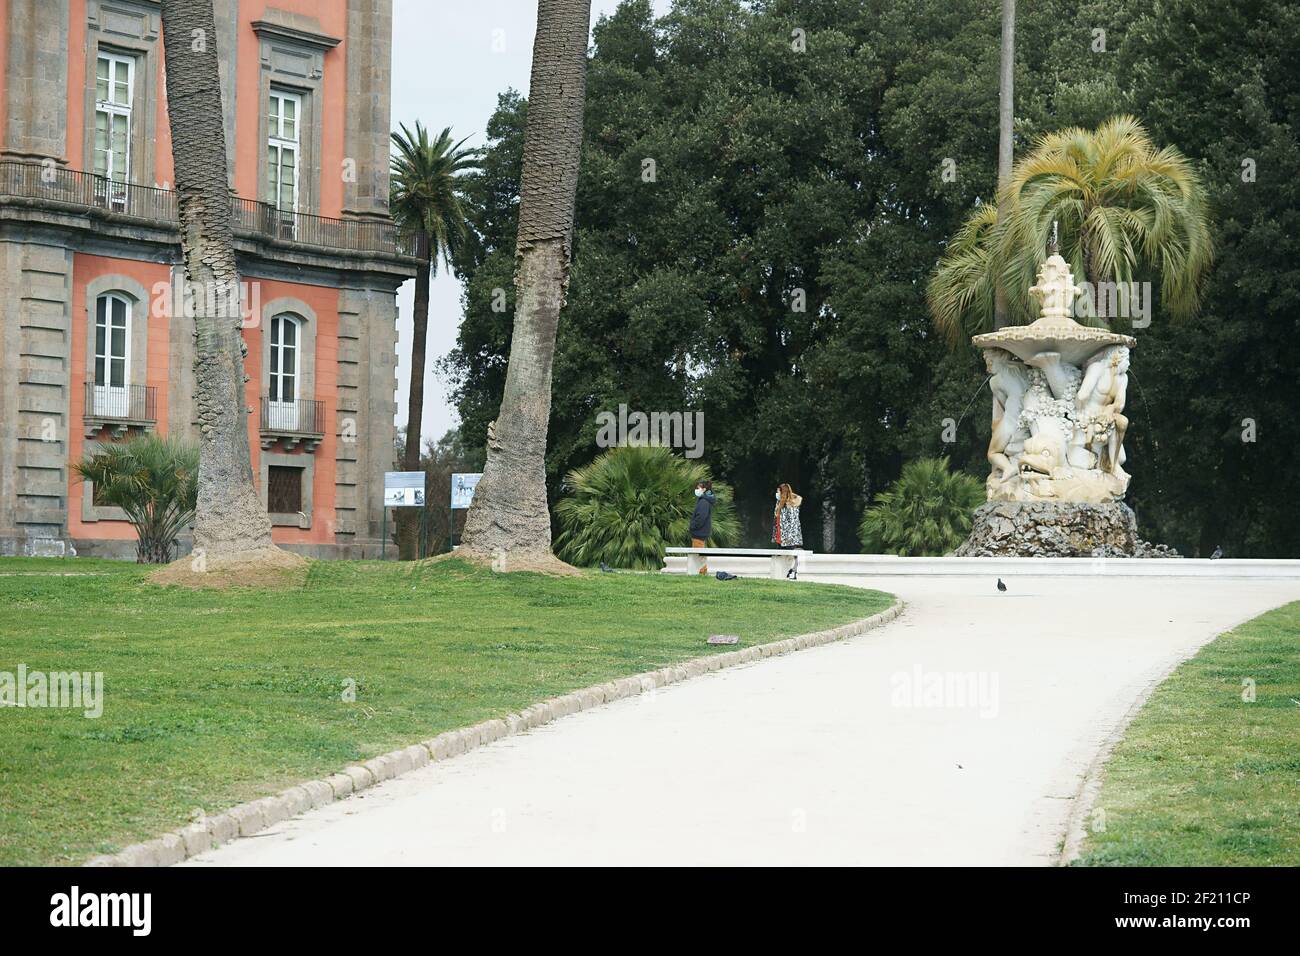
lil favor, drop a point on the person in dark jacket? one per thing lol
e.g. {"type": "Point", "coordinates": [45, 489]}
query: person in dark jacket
{"type": "Point", "coordinates": [701, 528]}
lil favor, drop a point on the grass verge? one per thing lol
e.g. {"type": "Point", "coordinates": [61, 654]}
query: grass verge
{"type": "Point", "coordinates": [1204, 776]}
{"type": "Point", "coordinates": [212, 698]}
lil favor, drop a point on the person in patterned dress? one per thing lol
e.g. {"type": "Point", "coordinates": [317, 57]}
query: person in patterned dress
{"type": "Point", "coordinates": [786, 532]}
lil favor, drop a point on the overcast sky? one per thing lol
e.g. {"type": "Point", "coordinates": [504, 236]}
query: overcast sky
{"type": "Point", "coordinates": [450, 60]}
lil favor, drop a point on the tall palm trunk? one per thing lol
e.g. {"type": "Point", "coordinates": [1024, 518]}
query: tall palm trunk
{"type": "Point", "coordinates": [1006, 114]}
{"type": "Point", "coordinates": [509, 515]}
{"type": "Point", "coordinates": [409, 518]}
{"type": "Point", "coordinates": [230, 520]}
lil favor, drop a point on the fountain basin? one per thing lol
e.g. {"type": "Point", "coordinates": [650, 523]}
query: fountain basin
{"type": "Point", "coordinates": [1075, 343]}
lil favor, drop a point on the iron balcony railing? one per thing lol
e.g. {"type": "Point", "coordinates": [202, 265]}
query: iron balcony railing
{"type": "Point", "coordinates": [293, 418]}
{"type": "Point", "coordinates": [121, 403]}
{"type": "Point", "coordinates": [362, 235]}
{"type": "Point", "coordinates": [88, 190]}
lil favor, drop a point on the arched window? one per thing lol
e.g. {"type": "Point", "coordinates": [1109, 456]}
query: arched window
{"type": "Point", "coordinates": [112, 355]}
{"type": "Point", "coordinates": [282, 405]}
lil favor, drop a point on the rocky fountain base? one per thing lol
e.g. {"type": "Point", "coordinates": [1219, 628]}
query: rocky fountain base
{"type": "Point", "coordinates": [1057, 529]}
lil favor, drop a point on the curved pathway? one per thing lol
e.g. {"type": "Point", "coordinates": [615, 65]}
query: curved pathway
{"type": "Point", "coordinates": [815, 757]}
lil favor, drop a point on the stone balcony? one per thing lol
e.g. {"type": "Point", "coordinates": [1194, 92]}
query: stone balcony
{"type": "Point", "coordinates": [292, 423]}
{"type": "Point", "coordinates": [119, 409]}
{"type": "Point", "coordinates": [61, 190]}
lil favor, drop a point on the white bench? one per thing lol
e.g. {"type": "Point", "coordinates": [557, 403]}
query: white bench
{"type": "Point", "coordinates": [780, 560]}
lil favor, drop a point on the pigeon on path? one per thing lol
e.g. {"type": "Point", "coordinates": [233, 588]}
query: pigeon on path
{"type": "Point", "coordinates": [1001, 586]}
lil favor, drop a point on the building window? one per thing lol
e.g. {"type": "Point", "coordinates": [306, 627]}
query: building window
{"type": "Point", "coordinates": [114, 83]}
{"type": "Point", "coordinates": [282, 397]}
{"type": "Point", "coordinates": [97, 499]}
{"type": "Point", "coordinates": [282, 149]}
{"type": "Point", "coordinates": [283, 489]}
{"type": "Point", "coordinates": [112, 355]}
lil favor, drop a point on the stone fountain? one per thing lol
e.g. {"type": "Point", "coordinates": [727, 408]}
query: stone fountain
{"type": "Point", "coordinates": [1057, 483]}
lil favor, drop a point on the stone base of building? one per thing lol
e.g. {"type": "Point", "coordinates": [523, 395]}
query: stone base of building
{"type": "Point", "coordinates": [124, 549]}
{"type": "Point", "coordinates": [36, 546]}
{"type": "Point", "coordinates": [1057, 529]}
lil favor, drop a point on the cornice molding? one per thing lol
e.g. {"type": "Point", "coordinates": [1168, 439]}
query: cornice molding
{"type": "Point", "coordinates": [269, 30]}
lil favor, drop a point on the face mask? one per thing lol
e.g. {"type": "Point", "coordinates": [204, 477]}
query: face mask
{"type": "Point", "coordinates": [778, 496]}
{"type": "Point", "coordinates": [699, 492]}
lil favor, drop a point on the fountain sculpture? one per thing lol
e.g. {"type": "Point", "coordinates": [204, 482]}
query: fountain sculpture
{"type": "Point", "coordinates": [1057, 482]}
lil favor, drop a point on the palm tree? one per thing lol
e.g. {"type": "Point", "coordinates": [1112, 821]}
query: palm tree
{"type": "Point", "coordinates": [927, 511]}
{"type": "Point", "coordinates": [1124, 207]}
{"type": "Point", "coordinates": [509, 514]}
{"type": "Point", "coordinates": [427, 201]}
{"type": "Point", "coordinates": [230, 524]}
{"type": "Point", "coordinates": [631, 503]}
{"type": "Point", "coordinates": [154, 480]}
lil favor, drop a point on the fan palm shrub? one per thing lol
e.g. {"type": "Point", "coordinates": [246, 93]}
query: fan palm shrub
{"type": "Point", "coordinates": [155, 480]}
{"type": "Point", "coordinates": [1124, 207]}
{"type": "Point", "coordinates": [631, 503]}
{"type": "Point", "coordinates": [926, 512]}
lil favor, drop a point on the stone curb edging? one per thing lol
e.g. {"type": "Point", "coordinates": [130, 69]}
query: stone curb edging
{"type": "Point", "coordinates": [1089, 788]}
{"type": "Point", "coordinates": [246, 819]}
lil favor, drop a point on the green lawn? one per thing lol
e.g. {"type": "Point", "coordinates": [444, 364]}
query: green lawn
{"type": "Point", "coordinates": [1202, 777]}
{"type": "Point", "coordinates": [213, 698]}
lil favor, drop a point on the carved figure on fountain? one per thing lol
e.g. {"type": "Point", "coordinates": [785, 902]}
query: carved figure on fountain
{"type": "Point", "coordinates": [1008, 381]}
{"type": "Point", "coordinates": [1059, 390]}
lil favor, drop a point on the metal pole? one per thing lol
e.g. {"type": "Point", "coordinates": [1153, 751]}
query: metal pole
{"type": "Point", "coordinates": [1006, 118]}
{"type": "Point", "coordinates": [383, 537]}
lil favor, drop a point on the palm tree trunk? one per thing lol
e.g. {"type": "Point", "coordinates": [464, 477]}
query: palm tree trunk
{"type": "Point", "coordinates": [230, 520]}
{"type": "Point", "coordinates": [408, 522]}
{"type": "Point", "coordinates": [1093, 280]}
{"type": "Point", "coordinates": [1006, 114]}
{"type": "Point", "coordinates": [153, 551]}
{"type": "Point", "coordinates": [509, 515]}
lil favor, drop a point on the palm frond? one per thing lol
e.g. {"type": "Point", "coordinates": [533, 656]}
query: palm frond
{"type": "Point", "coordinates": [961, 293]}
{"type": "Point", "coordinates": [426, 196]}
{"type": "Point", "coordinates": [1123, 207]}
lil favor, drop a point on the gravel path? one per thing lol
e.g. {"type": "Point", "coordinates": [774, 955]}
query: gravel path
{"type": "Point", "coordinates": [816, 757]}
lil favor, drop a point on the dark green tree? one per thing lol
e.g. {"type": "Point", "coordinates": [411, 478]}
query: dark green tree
{"type": "Point", "coordinates": [1214, 410]}
{"type": "Point", "coordinates": [769, 266]}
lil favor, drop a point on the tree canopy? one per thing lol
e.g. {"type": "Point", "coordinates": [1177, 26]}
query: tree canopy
{"type": "Point", "coordinates": [767, 187]}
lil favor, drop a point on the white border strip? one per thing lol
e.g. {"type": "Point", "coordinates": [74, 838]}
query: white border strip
{"type": "Point", "coordinates": [824, 566]}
